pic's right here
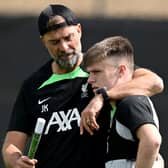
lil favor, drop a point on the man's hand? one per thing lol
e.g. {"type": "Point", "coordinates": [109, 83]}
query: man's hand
{"type": "Point", "coordinates": [25, 162]}
{"type": "Point", "coordinates": [90, 114]}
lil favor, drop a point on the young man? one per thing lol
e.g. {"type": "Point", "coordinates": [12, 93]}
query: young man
{"type": "Point", "coordinates": [134, 139]}
{"type": "Point", "coordinates": [58, 92]}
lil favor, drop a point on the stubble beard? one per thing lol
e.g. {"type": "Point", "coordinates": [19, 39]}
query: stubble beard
{"type": "Point", "coordinates": [67, 63]}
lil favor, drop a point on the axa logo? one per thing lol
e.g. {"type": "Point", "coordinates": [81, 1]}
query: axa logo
{"type": "Point", "coordinates": [84, 90]}
{"type": "Point", "coordinates": [63, 120]}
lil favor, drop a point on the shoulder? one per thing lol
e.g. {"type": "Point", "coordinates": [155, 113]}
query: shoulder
{"type": "Point", "coordinates": [37, 77]}
{"type": "Point", "coordinates": [134, 100]}
{"type": "Point", "coordinates": [135, 107]}
{"type": "Point", "coordinates": [136, 111]}
{"type": "Point", "coordinates": [139, 104]}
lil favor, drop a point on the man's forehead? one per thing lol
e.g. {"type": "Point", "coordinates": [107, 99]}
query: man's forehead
{"type": "Point", "coordinates": [60, 33]}
{"type": "Point", "coordinates": [94, 66]}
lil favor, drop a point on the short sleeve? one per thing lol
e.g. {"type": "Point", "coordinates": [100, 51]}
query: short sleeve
{"type": "Point", "coordinates": [20, 117]}
{"type": "Point", "coordinates": [135, 111]}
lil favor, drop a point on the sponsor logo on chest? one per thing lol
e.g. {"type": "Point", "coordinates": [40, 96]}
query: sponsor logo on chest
{"type": "Point", "coordinates": [63, 120]}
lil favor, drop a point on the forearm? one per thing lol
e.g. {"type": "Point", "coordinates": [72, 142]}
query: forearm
{"type": "Point", "coordinates": [128, 89]}
{"type": "Point", "coordinates": [13, 147]}
{"type": "Point", "coordinates": [146, 156]}
{"type": "Point", "coordinates": [149, 145]}
{"type": "Point", "coordinates": [150, 81]}
{"type": "Point", "coordinates": [13, 158]}
{"type": "Point", "coordinates": [144, 82]}
{"type": "Point", "coordinates": [10, 155]}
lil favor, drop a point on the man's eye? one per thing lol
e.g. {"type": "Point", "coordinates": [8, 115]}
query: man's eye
{"type": "Point", "coordinates": [96, 72]}
{"type": "Point", "coordinates": [69, 38]}
{"type": "Point", "coordinates": [54, 42]}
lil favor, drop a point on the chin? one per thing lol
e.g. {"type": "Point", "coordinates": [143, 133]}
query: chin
{"type": "Point", "coordinates": [94, 90]}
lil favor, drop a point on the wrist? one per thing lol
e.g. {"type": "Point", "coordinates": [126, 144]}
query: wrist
{"type": "Point", "coordinates": [103, 92]}
{"type": "Point", "coordinates": [99, 97]}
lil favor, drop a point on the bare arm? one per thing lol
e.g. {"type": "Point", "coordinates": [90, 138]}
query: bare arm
{"type": "Point", "coordinates": [12, 151]}
{"type": "Point", "coordinates": [149, 145]}
{"type": "Point", "coordinates": [144, 82]}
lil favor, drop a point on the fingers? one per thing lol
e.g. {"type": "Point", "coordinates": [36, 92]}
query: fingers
{"type": "Point", "coordinates": [94, 124]}
{"type": "Point", "coordinates": [25, 162]}
{"type": "Point", "coordinates": [81, 128]}
{"type": "Point", "coordinates": [89, 115]}
{"type": "Point", "coordinates": [85, 125]}
{"type": "Point", "coordinates": [88, 124]}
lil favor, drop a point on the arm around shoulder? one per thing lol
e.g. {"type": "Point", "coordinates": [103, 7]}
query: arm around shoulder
{"type": "Point", "coordinates": [144, 82]}
{"type": "Point", "coordinates": [150, 80]}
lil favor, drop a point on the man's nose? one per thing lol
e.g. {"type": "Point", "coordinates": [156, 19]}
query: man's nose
{"type": "Point", "coordinates": [64, 45]}
{"type": "Point", "coordinates": [91, 79]}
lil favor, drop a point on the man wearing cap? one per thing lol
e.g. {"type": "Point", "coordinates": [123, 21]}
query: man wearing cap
{"type": "Point", "coordinates": [58, 92]}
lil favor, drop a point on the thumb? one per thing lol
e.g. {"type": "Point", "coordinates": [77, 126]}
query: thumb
{"type": "Point", "coordinates": [81, 128]}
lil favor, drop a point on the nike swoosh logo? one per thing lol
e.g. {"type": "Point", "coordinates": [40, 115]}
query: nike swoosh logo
{"type": "Point", "coordinates": [44, 100]}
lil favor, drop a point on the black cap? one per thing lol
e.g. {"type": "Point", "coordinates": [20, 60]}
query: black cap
{"type": "Point", "coordinates": [51, 11]}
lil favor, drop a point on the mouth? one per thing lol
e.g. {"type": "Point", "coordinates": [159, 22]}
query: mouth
{"type": "Point", "coordinates": [66, 55]}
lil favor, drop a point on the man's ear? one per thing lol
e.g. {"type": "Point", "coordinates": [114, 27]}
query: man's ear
{"type": "Point", "coordinates": [79, 29]}
{"type": "Point", "coordinates": [42, 41]}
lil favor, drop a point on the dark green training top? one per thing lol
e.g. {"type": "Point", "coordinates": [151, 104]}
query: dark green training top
{"type": "Point", "coordinates": [59, 99]}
